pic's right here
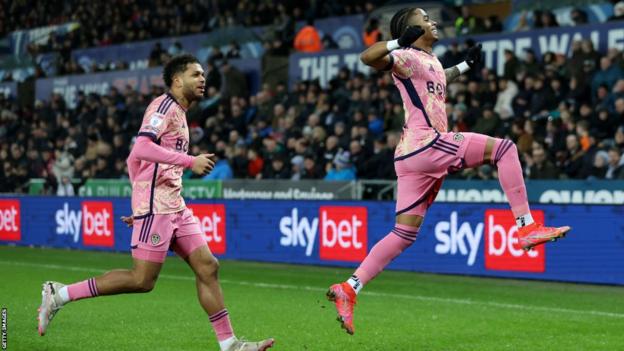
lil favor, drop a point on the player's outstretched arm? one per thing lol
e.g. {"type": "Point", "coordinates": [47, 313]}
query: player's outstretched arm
{"type": "Point", "coordinates": [453, 72]}
{"type": "Point", "coordinates": [377, 55]}
{"type": "Point", "coordinates": [146, 150]}
{"type": "Point", "coordinates": [473, 59]}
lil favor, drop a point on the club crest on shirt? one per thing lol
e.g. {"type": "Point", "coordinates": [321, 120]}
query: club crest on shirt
{"type": "Point", "coordinates": [156, 120]}
{"type": "Point", "coordinates": [458, 137]}
{"type": "Point", "coordinates": [155, 239]}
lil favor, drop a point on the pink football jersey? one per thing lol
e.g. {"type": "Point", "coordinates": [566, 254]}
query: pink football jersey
{"type": "Point", "coordinates": [420, 78]}
{"type": "Point", "coordinates": [156, 188]}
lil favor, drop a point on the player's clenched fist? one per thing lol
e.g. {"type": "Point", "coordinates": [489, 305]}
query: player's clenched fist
{"type": "Point", "coordinates": [203, 164]}
{"type": "Point", "coordinates": [474, 56]}
{"type": "Point", "coordinates": [411, 34]}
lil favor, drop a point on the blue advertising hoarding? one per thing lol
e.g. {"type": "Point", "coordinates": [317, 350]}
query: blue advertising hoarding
{"type": "Point", "coordinates": [20, 39]}
{"type": "Point", "coordinates": [346, 31]}
{"type": "Point", "coordinates": [137, 54]}
{"type": "Point", "coordinates": [472, 239]}
{"type": "Point", "coordinates": [139, 79]}
{"type": "Point", "coordinates": [556, 40]}
{"type": "Point", "coordinates": [324, 65]}
{"type": "Point", "coordinates": [99, 83]}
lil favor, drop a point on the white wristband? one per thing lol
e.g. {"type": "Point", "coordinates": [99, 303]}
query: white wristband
{"type": "Point", "coordinates": [463, 67]}
{"type": "Point", "coordinates": [392, 45]}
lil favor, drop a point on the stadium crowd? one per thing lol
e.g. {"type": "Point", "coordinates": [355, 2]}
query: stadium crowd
{"type": "Point", "coordinates": [123, 21]}
{"type": "Point", "coordinates": [566, 116]}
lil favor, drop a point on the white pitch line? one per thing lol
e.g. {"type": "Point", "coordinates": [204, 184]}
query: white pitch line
{"type": "Point", "coordinates": [368, 293]}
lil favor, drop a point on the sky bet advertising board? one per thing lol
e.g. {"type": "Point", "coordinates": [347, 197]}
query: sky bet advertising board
{"type": "Point", "coordinates": [473, 239]}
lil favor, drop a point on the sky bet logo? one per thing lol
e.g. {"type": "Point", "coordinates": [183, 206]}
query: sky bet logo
{"type": "Point", "coordinates": [10, 225]}
{"type": "Point", "coordinates": [94, 220]}
{"type": "Point", "coordinates": [211, 219]}
{"type": "Point", "coordinates": [501, 248]}
{"type": "Point", "coordinates": [342, 229]}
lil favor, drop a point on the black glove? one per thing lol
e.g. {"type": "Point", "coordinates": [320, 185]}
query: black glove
{"type": "Point", "coordinates": [474, 56]}
{"type": "Point", "coordinates": [411, 34]}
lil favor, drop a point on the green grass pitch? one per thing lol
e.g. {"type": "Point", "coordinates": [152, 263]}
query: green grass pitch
{"type": "Point", "coordinates": [397, 311]}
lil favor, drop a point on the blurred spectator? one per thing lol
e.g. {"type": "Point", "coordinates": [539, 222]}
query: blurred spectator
{"type": "Point", "coordinates": [213, 76]}
{"type": "Point", "coordinates": [255, 163]}
{"type": "Point", "coordinates": [156, 55]}
{"type": "Point", "coordinates": [297, 170]}
{"type": "Point", "coordinates": [619, 138]}
{"type": "Point", "coordinates": [539, 167]}
{"type": "Point", "coordinates": [590, 55]}
{"type": "Point", "coordinates": [579, 91]}
{"type": "Point", "coordinates": [603, 124]}
{"type": "Point", "coordinates": [618, 11]}
{"type": "Point", "coordinates": [466, 23]}
{"type": "Point", "coordinates": [573, 161]}
{"type": "Point", "coordinates": [523, 23]}
{"type": "Point", "coordinates": [233, 51]}
{"type": "Point", "coordinates": [589, 159]}
{"type": "Point", "coordinates": [508, 91]}
{"type": "Point", "coordinates": [371, 33]}
{"type": "Point", "coordinates": [492, 24]}
{"type": "Point", "coordinates": [600, 165]}
{"type": "Point", "coordinates": [216, 54]}
{"type": "Point", "coordinates": [239, 161]}
{"type": "Point", "coordinates": [63, 165]}
{"type": "Point", "coordinates": [380, 164]}
{"type": "Point", "coordinates": [308, 38]}
{"type": "Point", "coordinates": [512, 65]}
{"type": "Point", "coordinates": [542, 98]}
{"type": "Point", "coordinates": [608, 74]}
{"type": "Point", "coordinates": [357, 157]}
{"type": "Point", "coordinates": [530, 65]}
{"type": "Point", "coordinates": [175, 49]}
{"type": "Point", "coordinates": [234, 81]}
{"type": "Point", "coordinates": [452, 56]}
{"type": "Point", "coordinates": [277, 169]}
{"type": "Point", "coordinates": [311, 170]}
{"type": "Point", "coordinates": [615, 168]}
{"type": "Point", "coordinates": [547, 20]}
{"type": "Point", "coordinates": [221, 170]}
{"type": "Point", "coordinates": [578, 16]}
{"type": "Point", "coordinates": [488, 123]}
{"type": "Point", "coordinates": [554, 136]}
{"type": "Point", "coordinates": [341, 168]}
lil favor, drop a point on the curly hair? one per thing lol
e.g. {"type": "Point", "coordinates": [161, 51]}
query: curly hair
{"type": "Point", "coordinates": [177, 65]}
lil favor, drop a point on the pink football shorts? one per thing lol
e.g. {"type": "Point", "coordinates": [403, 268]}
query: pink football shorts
{"type": "Point", "coordinates": [421, 173]}
{"type": "Point", "coordinates": [153, 235]}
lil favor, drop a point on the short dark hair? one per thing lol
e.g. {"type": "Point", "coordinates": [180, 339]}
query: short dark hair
{"type": "Point", "coordinates": [398, 23]}
{"type": "Point", "coordinates": [177, 65]}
